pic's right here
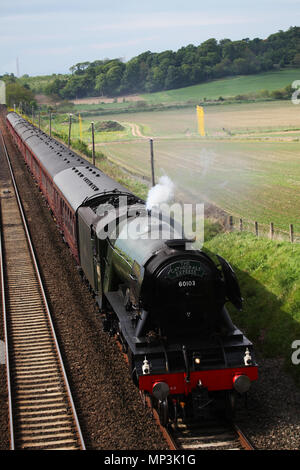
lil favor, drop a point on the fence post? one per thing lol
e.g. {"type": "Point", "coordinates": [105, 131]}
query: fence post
{"type": "Point", "coordinates": [256, 228]}
{"type": "Point", "coordinates": [230, 223]}
{"type": "Point", "coordinates": [291, 233]}
{"type": "Point", "coordinates": [271, 230]}
{"type": "Point", "coordinates": [241, 225]}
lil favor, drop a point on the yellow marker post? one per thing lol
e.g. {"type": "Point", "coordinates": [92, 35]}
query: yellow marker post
{"type": "Point", "coordinates": [80, 126]}
{"type": "Point", "coordinates": [200, 114]}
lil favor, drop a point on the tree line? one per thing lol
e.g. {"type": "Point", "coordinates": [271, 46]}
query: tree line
{"type": "Point", "coordinates": [190, 65]}
{"type": "Point", "coordinates": [16, 93]}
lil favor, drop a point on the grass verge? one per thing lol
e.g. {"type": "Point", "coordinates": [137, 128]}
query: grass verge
{"type": "Point", "coordinates": [269, 276]}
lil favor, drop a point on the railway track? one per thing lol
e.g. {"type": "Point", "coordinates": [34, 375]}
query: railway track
{"type": "Point", "coordinates": [41, 409]}
{"type": "Point", "coordinates": [206, 434]}
{"type": "Point", "coordinates": [209, 435]}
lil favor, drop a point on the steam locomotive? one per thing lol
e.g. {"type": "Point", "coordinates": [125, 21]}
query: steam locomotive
{"type": "Point", "coordinates": [165, 303]}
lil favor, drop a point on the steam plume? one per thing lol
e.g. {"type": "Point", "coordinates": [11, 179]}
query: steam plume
{"type": "Point", "coordinates": [162, 192]}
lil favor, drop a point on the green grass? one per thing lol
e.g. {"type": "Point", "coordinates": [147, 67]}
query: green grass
{"type": "Point", "coordinates": [130, 182]}
{"type": "Point", "coordinates": [269, 276]}
{"type": "Point", "coordinates": [60, 123]}
{"type": "Point", "coordinates": [228, 87]}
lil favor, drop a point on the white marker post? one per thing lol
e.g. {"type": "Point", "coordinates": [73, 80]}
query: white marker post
{"type": "Point", "coordinates": [2, 92]}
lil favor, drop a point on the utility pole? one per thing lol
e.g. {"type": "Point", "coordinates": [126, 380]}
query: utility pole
{"type": "Point", "coordinates": [50, 123]}
{"type": "Point", "coordinates": [70, 124]}
{"type": "Point", "coordinates": [18, 68]}
{"type": "Point", "coordinates": [152, 162]}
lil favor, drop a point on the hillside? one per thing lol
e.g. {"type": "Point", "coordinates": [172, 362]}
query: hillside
{"type": "Point", "coordinates": [227, 88]}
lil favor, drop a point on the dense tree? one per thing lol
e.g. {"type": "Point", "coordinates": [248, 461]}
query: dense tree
{"type": "Point", "coordinates": [101, 84]}
{"type": "Point", "coordinates": [55, 87]}
{"type": "Point", "coordinates": [149, 72]}
{"type": "Point", "coordinates": [16, 94]}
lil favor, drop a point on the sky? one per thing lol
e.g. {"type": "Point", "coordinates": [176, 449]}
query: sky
{"type": "Point", "coordinates": [46, 37]}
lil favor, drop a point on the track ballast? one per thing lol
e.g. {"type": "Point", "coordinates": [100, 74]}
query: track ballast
{"type": "Point", "coordinates": [42, 413]}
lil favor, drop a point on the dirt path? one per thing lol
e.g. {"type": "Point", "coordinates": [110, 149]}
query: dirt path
{"type": "Point", "coordinates": [136, 131]}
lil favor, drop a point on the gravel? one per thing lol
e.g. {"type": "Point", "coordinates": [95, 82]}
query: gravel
{"type": "Point", "coordinates": [109, 407]}
{"type": "Point", "coordinates": [272, 417]}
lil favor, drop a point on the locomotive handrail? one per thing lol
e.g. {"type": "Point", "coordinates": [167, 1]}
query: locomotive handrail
{"type": "Point", "coordinates": [186, 362]}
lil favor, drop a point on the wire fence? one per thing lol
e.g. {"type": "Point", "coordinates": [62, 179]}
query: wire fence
{"type": "Point", "coordinates": [270, 231]}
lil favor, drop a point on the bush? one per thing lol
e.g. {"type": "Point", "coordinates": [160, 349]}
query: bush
{"type": "Point", "coordinates": [107, 126]}
{"type": "Point", "coordinates": [16, 93]}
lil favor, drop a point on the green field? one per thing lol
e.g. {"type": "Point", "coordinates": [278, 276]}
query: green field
{"type": "Point", "coordinates": [227, 87]}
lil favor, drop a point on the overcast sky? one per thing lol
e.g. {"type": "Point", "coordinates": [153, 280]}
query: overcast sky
{"type": "Point", "coordinates": [50, 36]}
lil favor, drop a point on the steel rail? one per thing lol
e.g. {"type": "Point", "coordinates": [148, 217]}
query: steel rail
{"type": "Point", "coordinates": [246, 443]}
{"type": "Point", "coordinates": [209, 436]}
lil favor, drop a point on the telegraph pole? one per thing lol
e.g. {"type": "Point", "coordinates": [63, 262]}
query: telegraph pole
{"type": "Point", "coordinates": [152, 162]}
{"type": "Point", "coordinates": [70, 124]}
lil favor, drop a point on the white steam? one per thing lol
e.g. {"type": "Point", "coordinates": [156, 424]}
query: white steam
{"type": "Point", "coordinates": [162, 192]}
